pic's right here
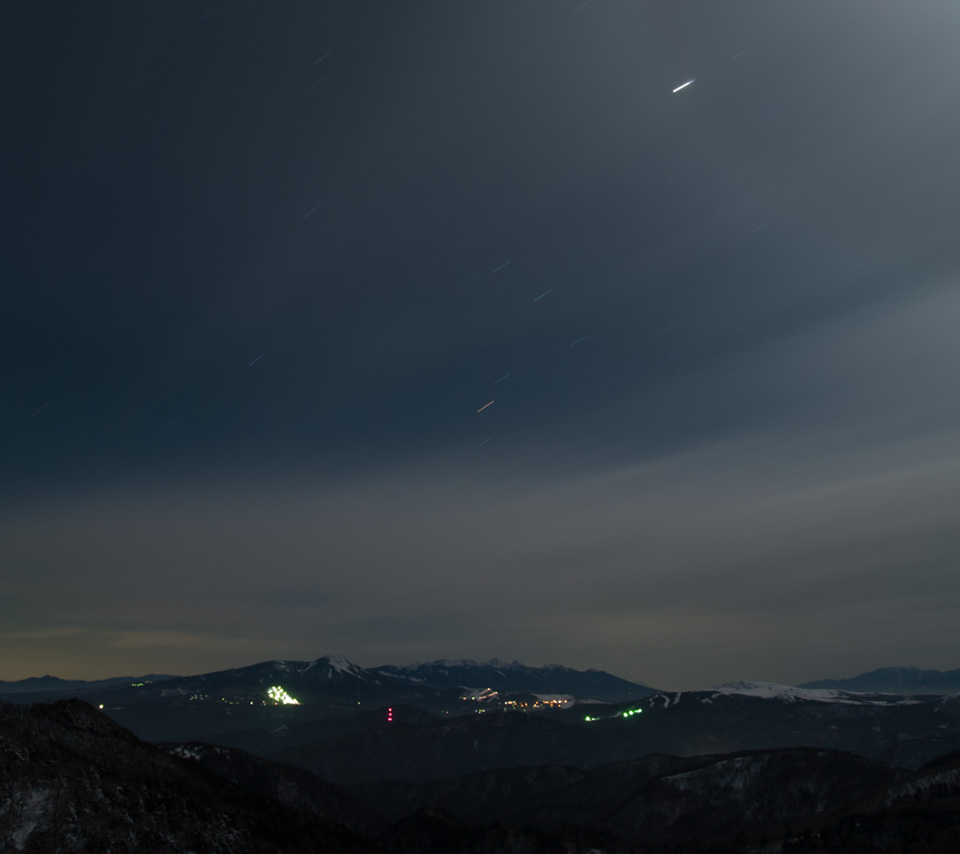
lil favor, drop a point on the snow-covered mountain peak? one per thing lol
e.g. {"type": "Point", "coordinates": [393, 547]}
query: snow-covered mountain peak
{"type": "Point", "coordinates": [334, 664]}
{"type": "Point", "coordinates": [340, 664]}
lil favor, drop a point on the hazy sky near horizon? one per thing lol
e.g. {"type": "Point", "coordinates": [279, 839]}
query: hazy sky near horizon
{"type": "Point", "coordinates": [449, 330]}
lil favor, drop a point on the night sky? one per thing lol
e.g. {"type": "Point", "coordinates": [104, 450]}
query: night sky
{"type": "Point", "coordinates": [441, 329]}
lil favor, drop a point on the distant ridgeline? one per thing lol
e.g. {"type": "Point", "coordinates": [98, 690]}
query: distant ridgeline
{"type": "Point", "coordinates": [897, 680]}
{"type": "Point", "coordinates": [335, 684]}
{"type": "Point", "coordinates": [487, 684]}
{"type": "Point", "coordinates": [48, 684]}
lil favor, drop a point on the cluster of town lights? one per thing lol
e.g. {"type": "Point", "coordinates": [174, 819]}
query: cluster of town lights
{"type": "Point", "coordinates": [278, 695]}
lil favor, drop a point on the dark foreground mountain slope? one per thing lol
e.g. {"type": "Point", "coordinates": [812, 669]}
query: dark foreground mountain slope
{"type": "Point", "coordinates": [800, 799]}
{"type": "Point", "coordinates": [733, 795]}
{"type": "Point", "coordinates": [797, 800]}
{"type": "Point", "coordinates": [656, 798]}
{"type": "Point", "coordinates": [436, 832]}
{"type": "Point", "coordinates": [451, 748]}
{"type": "Point", "coordinates": [808, 799]}
{"type": "Point", "coordinates": [292, 787]}
{"type": "Point", "coordinates": [72, 780]}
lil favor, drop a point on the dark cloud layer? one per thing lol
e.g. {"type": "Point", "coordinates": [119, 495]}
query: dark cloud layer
{"type": "Point", "coordinates": [266, 265]}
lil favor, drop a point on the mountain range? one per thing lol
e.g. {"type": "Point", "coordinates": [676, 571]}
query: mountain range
{"type": "Point", "coordinates": [57, 686]}
{"type": "Point", "coordinates": [897, 680]}
{"type": "Point", "coordinates": [476, 757]}
{"type": "Point", "coordinates": [330, 686]}
{"type": "Point", "coordinates": [496, 674]}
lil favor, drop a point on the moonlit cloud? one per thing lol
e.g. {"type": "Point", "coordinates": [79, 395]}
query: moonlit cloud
{"type": "Point", "coordinates": [747, 548]}
{"type": "Point", "coordinates": [362, 342]}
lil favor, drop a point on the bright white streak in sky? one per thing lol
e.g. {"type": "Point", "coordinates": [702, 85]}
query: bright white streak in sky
{"type": "Point", "coordinates": [684, 86]}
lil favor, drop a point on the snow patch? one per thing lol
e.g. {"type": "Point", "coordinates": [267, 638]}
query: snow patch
{"type": "Point", "coordinates": [31, 811]}
{"type": "Point", "coordinates": [340, 664]}
{"type": "Point", "coordinates": [790, 694]}
{"type": "Point", "coordinates": [185, 752]}
{"type": "Point", "coordinates": [334, 664]}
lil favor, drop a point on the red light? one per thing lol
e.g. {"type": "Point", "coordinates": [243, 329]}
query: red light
{"type": "Point", "coordinates": [390, 713]}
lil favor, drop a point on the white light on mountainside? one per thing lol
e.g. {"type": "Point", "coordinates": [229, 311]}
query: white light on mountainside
{"type": "Point", "coordinates": [278, 695]}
